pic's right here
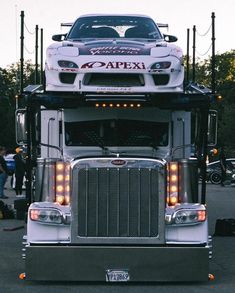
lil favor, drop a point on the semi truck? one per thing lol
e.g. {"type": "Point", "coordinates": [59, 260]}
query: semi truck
{"type": "Point", "coordinates": [116, 194]}
{"type": "Point", "coordinates": [113, 188]}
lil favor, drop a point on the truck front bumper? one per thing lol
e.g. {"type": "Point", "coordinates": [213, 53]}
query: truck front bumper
{"type": "Point", "coordinates": [91, 263]}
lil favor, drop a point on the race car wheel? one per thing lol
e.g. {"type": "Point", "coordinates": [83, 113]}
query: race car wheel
{"type": "Point", "coordinates": [215, 178]}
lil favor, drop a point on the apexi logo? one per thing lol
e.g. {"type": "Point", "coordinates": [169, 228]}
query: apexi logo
{"type": "Point", "coordinates": [114, 65]}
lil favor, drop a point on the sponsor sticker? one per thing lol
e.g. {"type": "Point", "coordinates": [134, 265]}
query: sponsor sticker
{"type": "Point", "coordinates": [116, 49]}
{"type": "Point", "coordinates": [114, 65]}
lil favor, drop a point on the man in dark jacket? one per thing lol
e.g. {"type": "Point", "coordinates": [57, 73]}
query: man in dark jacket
{"type": "Point", "coordinates": [3, 172]}
{"type": "Point", "coordinates": [19, 171]}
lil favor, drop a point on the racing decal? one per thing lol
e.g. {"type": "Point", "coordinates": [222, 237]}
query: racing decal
{"type": "Point", "coordinates": [114, 65]}
{"type": "Point", "coordinates": [113, 50]}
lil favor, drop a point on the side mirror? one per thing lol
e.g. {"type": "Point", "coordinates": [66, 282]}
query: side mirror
{"type": "Point", "coordinates": [20, 126]}
{"type": "Point", "coordinates": [212, 128]}
{"type": "Point", "coordinates": [58, 38]}
{"type": "Point", "coordinates": [170, 39]}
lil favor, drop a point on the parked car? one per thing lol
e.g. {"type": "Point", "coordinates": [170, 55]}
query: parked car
{"type": "Point", "coordinates": [233, 180]}
{"type": "Point", "coordinates": [114, 53]}
{"type": "Point", "coordinates": [213, 171]}
{"type": "Point", "coordinates": [10, 163]}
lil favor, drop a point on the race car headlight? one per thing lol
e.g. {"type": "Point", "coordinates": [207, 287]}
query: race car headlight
{"type": "Point", "coordinates": [177, 52]}
{"type": "Point", "coordinates": [161, 65]}
{"type": "Point", "coordinates": [184, 217]}
{"type": "Point", "coordinates": [51, 52]}
{"type": "Point", "coordinates": [46, 216]}
{"type": "Point", "coordinates": [67, 64]}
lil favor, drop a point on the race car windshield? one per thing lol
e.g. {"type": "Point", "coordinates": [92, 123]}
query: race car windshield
{"type": "Point", "coordinates": [116, 132]}
{"type": "Point", "coordinates": [100, 27]}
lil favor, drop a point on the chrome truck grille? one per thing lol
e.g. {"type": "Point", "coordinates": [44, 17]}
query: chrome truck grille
{"type": "Point", "coordinates": [117, 202]}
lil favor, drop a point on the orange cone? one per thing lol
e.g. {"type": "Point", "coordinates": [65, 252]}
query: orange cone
{"type": "Point", "coordinates": [211, 277]}
{"type": "Point", "coordinates": [22, 276]}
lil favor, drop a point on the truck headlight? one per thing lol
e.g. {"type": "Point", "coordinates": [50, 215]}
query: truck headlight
{"type": "Point", "coordinates": [47, 216]}
{"type": "Point", "coordinates": [184, 217]}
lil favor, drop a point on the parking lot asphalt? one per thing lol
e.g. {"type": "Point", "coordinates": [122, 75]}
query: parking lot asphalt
{"type": "Point", "coordinates": [220, 204]}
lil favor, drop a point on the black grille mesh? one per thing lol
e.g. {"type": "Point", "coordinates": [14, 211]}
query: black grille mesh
{"type": "Point", "coordinates": [118, 202]}
{"type": "Point", "coordinates": [68, 78]}
{"type": "Point", "coordinates": [161, 79]}
{"type": "Point", "coordinates": [113, 79]}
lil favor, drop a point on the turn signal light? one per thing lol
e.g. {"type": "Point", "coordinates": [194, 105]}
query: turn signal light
{"type": "Point", "coordinates": [62, 183]}
{"type": "Point", "coordinates": [173, 184]}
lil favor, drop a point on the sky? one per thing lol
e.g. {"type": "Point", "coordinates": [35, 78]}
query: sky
{"type": "Point", "coordinates": [180, 15]}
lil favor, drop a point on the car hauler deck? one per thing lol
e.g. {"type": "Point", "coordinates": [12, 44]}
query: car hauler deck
{"type": "Point", "coordinates": [116, 196]}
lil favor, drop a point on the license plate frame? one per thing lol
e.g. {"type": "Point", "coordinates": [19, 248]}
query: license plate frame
{"type": "Point", "coordinates": [117, 275]}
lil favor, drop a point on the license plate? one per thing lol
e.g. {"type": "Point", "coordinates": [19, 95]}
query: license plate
{"type": "Point", "coordinates": [117, 276]}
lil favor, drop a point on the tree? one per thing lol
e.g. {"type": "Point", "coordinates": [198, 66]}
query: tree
{"type": "Point", "coordinates": [225, 86]}
{"type": "Point", "coordinates": [9, 88]}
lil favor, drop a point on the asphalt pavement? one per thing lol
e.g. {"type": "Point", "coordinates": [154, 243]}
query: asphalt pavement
{"type": "Point", "coordinates": [220, 204]}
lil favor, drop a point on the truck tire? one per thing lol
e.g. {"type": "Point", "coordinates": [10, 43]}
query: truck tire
{"type": "Point", "coordinates": [215, 178]}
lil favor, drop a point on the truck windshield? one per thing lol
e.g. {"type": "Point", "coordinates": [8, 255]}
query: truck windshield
{"type": "Point", "coordinates": [112, 132]}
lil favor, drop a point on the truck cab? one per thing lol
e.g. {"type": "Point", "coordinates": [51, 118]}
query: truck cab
{"type": "Point", "coordinates": [117, 188]}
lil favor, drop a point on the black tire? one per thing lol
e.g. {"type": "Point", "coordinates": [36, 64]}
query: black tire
{"type": "Point", "coordinates": [215, 178]}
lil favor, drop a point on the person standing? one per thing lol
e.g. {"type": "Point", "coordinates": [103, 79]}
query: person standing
{"type": "Point", "coordinates": [223, 165]}
{"type": "Point", "coordinates": [3, 172]}
{"type": "Point", "coordinates": [19, 171]}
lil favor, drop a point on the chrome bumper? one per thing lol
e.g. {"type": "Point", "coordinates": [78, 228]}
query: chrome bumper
{"type": "Point", "coordinates": [91, 263]}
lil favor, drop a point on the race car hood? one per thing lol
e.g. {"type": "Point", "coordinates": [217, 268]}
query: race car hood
{"type": "Point", "coordinates": [116, 47]}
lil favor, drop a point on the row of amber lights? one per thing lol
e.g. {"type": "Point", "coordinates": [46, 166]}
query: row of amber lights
{"type": "Point", "coordinates": [173, 184]}
{"type": "Point", "coordinates": [62, 183]}
{"type": "Point", "coordinates": [117, 105]}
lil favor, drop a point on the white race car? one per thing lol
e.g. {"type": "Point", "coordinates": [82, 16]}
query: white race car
{"type": "Point", "coordinates": [114, 53]}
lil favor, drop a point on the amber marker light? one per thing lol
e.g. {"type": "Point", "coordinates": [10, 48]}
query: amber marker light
{"type": "Point", "coordinates": [211, 277]}
{"type": "Point", "coordinates": [67, 177]}
{"type": "Point", "coordinates": [67, 188]}
{"type": "Point", "coordinates": [34, 215]}
{"type": "Point", "coordinates": [67, 199]}
{"type": "Point", "coordinates": [173, 181]}
{"type": "Point", "coordinates": [22, 276]}
{"type": "Point", "coordinates": [173, 167]}
{"type": "Point", "coordinates": [173, 188]}
{"type": "Point", "coordinates": [60, 199]}
{"type": "Point", "coordinates": [173, 200]}
{"type": "Point", "coordinates": [60, 166]}
{"type": "Point", "coordinates": [59, 188]}
{"type": "Point", "coordinates": [59, 177]}
{"type": "Point", "coordinates": [62, 182]}
{"type": "Point", "coordinates": [201, 216]}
